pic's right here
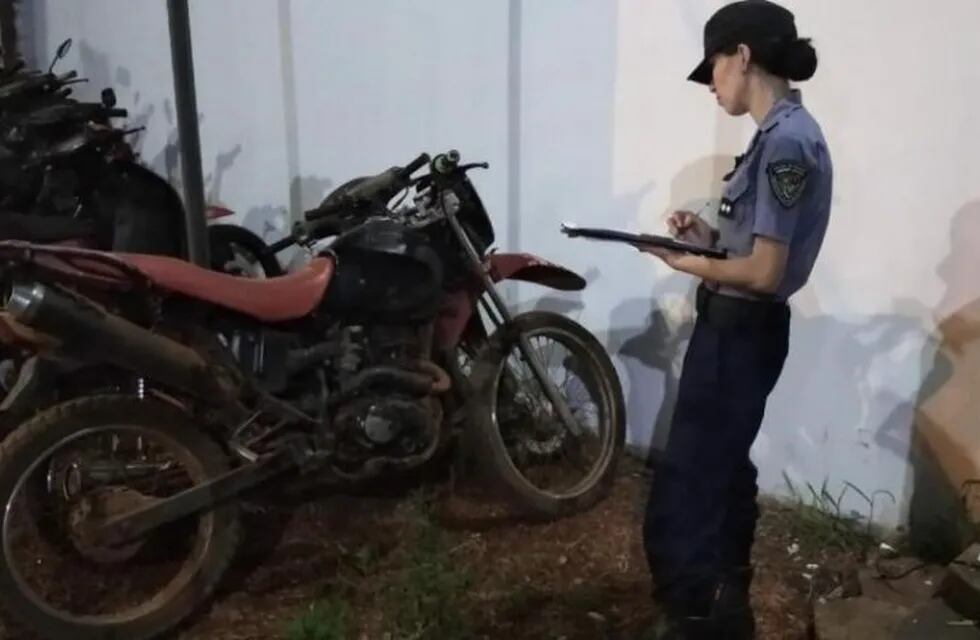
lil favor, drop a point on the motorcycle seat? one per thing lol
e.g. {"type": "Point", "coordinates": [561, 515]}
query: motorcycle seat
{"type": "Point", "coordinates": [279, 299]}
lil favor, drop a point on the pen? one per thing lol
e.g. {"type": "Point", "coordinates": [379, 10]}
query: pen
{"type": "Point", "coordinates": [682, 230]}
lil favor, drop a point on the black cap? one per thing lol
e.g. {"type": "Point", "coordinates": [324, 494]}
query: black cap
{"type": "Point", "coordinates": [746, 21]}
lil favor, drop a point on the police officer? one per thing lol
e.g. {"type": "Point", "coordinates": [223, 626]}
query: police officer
{"type": "Point", "coordinates": [702, 513]}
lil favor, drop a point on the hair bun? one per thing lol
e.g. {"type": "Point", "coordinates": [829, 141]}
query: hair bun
{"type": "Point", "coordinates": [798, 61]}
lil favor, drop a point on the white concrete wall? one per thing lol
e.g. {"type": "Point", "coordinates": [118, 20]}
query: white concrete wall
{"type": "Point", "coordinates": [582, 110]}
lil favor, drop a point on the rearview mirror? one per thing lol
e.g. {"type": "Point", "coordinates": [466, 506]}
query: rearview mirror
{"type": "Point", "coordinates": [64, 48]}
{"type": "Point", "coordinates": [62, 51]}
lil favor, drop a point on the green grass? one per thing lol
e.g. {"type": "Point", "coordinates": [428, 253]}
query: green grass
{"type": "Point", "coordinates": [820, 520]}
{"type": "Point", "coordinates": [424, 588]}
{"type": "Point", "coordinates": [426, 597]}
{"type": "Point", "coordinates": [327, 619]}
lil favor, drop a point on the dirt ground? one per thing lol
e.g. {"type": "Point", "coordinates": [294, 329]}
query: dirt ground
{"type": "Point", "coordinates": [440, 563]}
{"type": "Point", "coordinates": [583, 577]}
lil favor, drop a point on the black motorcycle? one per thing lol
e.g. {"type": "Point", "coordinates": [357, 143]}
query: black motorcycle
{"type": "Point", "coordinates": [67, 174]}
{"type": "Point", "coordinates": [69, 177]}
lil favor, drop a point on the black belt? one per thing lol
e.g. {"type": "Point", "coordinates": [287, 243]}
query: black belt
{"type": "Point", "coordinates": [725, 312]}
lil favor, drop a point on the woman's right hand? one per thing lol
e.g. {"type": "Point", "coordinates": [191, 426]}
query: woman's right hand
{"type": "Point", "coordinates": [688, 227]}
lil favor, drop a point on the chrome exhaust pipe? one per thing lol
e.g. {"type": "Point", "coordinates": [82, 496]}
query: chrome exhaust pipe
{"type": "Point", "coordinates": [23, 301]}
{"type": "Point", "coordinates": [93, 334]}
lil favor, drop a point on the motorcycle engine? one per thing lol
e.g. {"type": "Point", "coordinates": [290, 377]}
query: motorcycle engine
{"type": "Point", "coordinates": [383, 419]}
{"type": "Point", "coordinates": [381, 413]}
{"type": "Point", "coordinates": [383, 425]}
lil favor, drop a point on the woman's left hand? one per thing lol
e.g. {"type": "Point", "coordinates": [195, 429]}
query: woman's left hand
{"type": "Point", "coordinates": [678, 260]}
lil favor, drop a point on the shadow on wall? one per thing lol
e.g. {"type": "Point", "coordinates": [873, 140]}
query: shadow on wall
{"type": "Point", "coordinates": [652, 355]}
{"type": "Point", "coordinates": [308, 191]}
{"type": "Point", "coordinates": [946, 453]}
{"type": "Point", "coordinates": [569, 305]}
{"type": "Point", "coordinates": [267, 220]}
{"type": "Point", "coordinates": [273, 222]}
{"type": "Point", "coordinates": [96, 66]}
{"type": "Point", "coordinates": [689, 185]}
{"type": "Point", "coordinates": [572, 304]}
{"type": "Point", "coordinates": [223, 162]}
{"type": "Point", "coordinates": [652, 352]}
{"type": "Point", "coordinates": [929, 433]}
{"type": "Point", "coordinates": [840, 412]}
{"type": "Point", "coordinates": [841, 409]}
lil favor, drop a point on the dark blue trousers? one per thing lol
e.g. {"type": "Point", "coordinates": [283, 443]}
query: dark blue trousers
{"type": "Point", "coordinates": [701, 516]}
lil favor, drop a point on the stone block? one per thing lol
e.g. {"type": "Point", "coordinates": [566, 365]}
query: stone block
{"type": "Point", "coordinates": [859, 618]}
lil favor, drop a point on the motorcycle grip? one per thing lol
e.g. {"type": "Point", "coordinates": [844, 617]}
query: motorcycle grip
{"type": "Point", "coordinates": [414, 166]}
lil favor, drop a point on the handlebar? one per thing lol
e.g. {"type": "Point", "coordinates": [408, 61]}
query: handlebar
{"type": "Point", "coordinates": [17, 66]}
{"type": "Point", "coordinates": [71, 111]}
{"type": "Point", "coordinates": [16, 87]}
{"type": "Point", "coordinates": [447, 164]}
{"type": "Point", "coordinates": [285, 243]}
{"type": "Point", "coordinates": [67, 146]}
{"type": "Point", "coordinates": [329, 218]}
{"type": "Point", "coordinates": [383, 186]}
{"type": "Point", "coordinates": [414, 166]}
{"type": "Point", "coordinates": [322, 221]}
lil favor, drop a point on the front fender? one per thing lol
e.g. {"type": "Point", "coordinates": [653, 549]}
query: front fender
{"type": "Point", "coordinates": [457, 312]}
{"type": "Point", "coordinates": [530, 268]}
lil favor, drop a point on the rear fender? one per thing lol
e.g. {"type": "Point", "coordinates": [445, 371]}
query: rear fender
{"type": "Point", "coordinates": [216, 212]}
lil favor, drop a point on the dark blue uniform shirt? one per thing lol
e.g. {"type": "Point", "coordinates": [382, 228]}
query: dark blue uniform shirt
{"type": "Point", "coordinates": [780, 189]}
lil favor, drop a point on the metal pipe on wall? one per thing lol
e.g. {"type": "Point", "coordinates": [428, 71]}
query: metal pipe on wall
{"type": "Point", "coordinates": [8, 32]}
{"type": "Point", "coordinates": [190, 140]}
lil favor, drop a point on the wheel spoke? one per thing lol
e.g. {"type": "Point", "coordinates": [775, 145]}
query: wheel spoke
{"type": "Point", "coordinates": [544, 451]}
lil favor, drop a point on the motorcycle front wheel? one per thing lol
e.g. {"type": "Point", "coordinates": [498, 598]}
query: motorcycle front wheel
{"type": "Point", "coordinates": [549, 470]}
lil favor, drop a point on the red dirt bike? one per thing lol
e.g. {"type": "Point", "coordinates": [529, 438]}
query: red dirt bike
{"type": "Point", "coordinates": [121, 508]}
{"type": "Point", "coordinates": [28, 382]}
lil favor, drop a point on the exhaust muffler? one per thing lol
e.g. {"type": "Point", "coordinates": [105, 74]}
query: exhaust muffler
{"type": "Point", "coordinates": [91, 333]}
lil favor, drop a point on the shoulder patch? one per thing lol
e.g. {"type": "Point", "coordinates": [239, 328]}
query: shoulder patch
{"type": "Point", "coordinates": [787, 179]}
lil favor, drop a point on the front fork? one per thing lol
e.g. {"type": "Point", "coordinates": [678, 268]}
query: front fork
{"type": "Point", "coordinates": [501, 317]}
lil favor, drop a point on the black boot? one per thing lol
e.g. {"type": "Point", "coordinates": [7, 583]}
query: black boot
{"type": "Point", "coordinates": [687, 613]}
{"type": "Point", "coordinates": [731, 611]}
{"type": "Point", "coordinates": [691, 628]}
{"type": "Point", "coordinates": [724, 614]}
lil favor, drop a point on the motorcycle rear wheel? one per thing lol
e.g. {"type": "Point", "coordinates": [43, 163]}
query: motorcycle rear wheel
{"type": "Point", "coordinates": [34, 447]}
{"type": "Point", "coordinates": [496, 438]}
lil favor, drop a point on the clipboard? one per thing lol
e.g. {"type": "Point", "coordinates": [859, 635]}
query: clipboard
{"type": "Point", "coordinates": [612, 235]}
